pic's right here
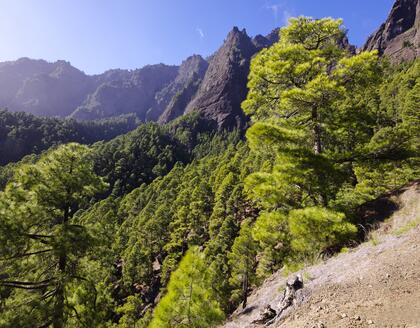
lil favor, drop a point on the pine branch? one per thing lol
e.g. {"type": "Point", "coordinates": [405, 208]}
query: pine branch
{"type": "Point", "coordinates": [27, 254]}
{"type": "Point", "coordinates": [26, 284]}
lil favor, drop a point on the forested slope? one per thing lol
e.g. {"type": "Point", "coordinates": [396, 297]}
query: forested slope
{"type": "Point", "coordinates": [174, 225]}
{"type": "Point", "coordinates": [23, 134]}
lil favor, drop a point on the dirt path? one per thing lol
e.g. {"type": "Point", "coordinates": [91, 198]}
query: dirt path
{"type": "Point", "coordinates": [374, 285]}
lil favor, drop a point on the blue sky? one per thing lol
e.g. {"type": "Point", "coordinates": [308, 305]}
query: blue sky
{"type": "Point", "coordinates": [96, 35]}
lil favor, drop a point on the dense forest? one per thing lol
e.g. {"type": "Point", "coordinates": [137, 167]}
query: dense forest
{"type": "Point", "coordinates": [173, 225]}
{"type": "Point", "coordinates": [24, 134]}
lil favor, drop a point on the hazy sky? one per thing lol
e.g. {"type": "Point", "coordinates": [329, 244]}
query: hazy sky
{"type": "Point", "coordinates": [95, 35]}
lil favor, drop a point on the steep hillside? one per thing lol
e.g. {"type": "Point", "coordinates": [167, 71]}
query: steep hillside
{"type": "Point", "coordinates": [399, 37]}
{"type": "Point", "coordinates": [372, 285]}
{"type": "Point", "coordinates": [168, 101]}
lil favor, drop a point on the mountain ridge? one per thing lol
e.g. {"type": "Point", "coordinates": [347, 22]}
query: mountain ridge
{"type": "Point", "coordinates": [214, 86]}
{"type": "Point", "coordinates": [156, 92]}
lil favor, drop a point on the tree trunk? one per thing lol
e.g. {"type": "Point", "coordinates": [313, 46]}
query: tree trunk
{"type": "Point", "coordinates": [189, 305]}
{"type": "Point", "coordinates": [58, 319]}
{"type": "Point", "coordinates": [245, 292]}
{"type": "Point", "coordinates": [58, 316]}
{"type": "Point", "coordinates": [316, 132]}
{"type": "Point", "coordinates": [289, 296]}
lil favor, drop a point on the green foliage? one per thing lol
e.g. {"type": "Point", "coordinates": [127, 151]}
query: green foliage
{"type": "Point", "coordinates": [315, 228]}
{"type": "Point", "coordinates": [141, 237]}
{"type": "Point", "coordinates": [271, 231]}
{"type": "Point", "coordinates": [242, 261]}
{"type": "Point", "coordinates": [41, 246]}
{"type": "Point", "coordinates": [7, 171]}
{"type": "Point", "coordinates": [189, 301]}
{"type": "Point", "coordinates": [129, 311]}
{"type": "Point", "coordinates": [138, 157]}
{"type": "Point", "coordinates": [151, 151]}
{"type": "Point", "coordinates": [341, 134]}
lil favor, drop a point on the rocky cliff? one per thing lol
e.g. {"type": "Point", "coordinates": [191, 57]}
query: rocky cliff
{"type": "Point", "coordinates": [223, 89]}
{"type": "Point", "coordinates": [399, 37]}
{"type": "Point", "coordinates": [172, 100]}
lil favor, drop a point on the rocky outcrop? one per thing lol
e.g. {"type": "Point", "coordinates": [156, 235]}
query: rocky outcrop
{"type": "Point", "coordinates": [219, 93]}
{"type": "Point", "coordinates": [223, 89]}
{"type": "Point", "coordinates": [266, 41]}
{"type": "Point", "coordinates": [399, 37]}
{"type": "Point", "coordinates": [180, 101]}
{"type": "Point", "coordinates": [172, 100]}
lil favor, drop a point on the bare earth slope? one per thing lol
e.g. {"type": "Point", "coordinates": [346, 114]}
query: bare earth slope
{"type": "Point", "coordinates": [376, 284]}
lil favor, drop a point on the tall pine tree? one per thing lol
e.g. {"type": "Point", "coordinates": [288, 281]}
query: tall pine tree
{"type": "Point", "coordinates": [41, 246]}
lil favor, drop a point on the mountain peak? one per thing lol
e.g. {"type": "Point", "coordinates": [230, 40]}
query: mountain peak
{"type": "Point", "coordinates": [236, 36]}
{"type": "Point", "coordinates": [236, 29]}
{"type": "Point", "coordinates": [399, 37]}
{"type": "Point", "coordinates": [223, 89]}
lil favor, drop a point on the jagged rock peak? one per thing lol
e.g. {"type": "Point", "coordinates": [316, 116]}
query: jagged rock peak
{"type": "Point", "coordinates": [191, 65]}
{"type": "Point", "coordinates": [223, 88]}
{"type": "Point", "coordinates": [261, 41]}
{"type": "Point", "coordinates": [236, 30]}
{"type": "Point", "coordinates": [399, 37]}
{"type": "Point", "coordinates": [237, 36]}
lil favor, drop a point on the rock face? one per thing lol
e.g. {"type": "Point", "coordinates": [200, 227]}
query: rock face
{"type": "Point", "coordinates": [266, 41]}
{"type": "Point", "coordinates": [223, 89]}
{"type": "Point", "coordinates": [172, 100]}
{"type": "Point", "coordinates": [399, 37]}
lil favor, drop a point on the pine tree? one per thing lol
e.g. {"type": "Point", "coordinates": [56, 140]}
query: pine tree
{"type": "Point", "coordinates": [313, 229]}
{"type": "Point", "coordinates": [315, 106]}
{"type": "Point", "coordinates": [300, 98]}
{"type": "Point", "coordinates": [189, 301]}
{"type": "Point", "coordinates": [41, 245]}
{"type": "Point", "coordinates": [242, 260]}
{"type": "Point", "coordinates": [271, 232]}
